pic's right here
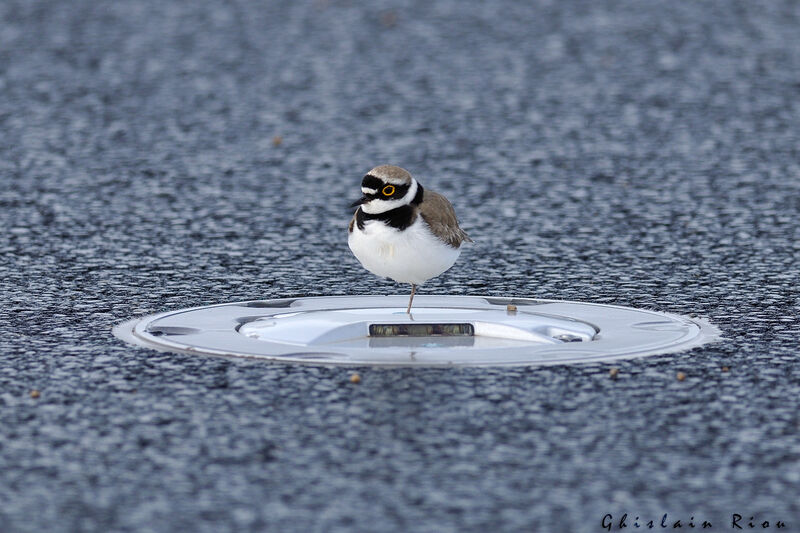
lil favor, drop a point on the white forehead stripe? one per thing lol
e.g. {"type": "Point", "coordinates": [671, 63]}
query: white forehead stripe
{"type": "Point", "coordinates": [394, 181]}
{"type": "Point", "coordinates": [367, 190]}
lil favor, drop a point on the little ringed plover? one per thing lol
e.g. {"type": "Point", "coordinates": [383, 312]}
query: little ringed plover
{"type": "Point", "coordinates": [403, 231]}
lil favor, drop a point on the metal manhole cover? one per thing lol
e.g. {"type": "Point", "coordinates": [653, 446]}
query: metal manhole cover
{"type": "Point", "coordinates": [442, 331]}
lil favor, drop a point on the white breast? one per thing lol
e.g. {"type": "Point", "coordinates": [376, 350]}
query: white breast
{"type": "Point", "coordinates": [413, 255]}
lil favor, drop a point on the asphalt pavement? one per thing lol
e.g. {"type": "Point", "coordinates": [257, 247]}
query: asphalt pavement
{"type": "Point", "coordinates": [160, 155]}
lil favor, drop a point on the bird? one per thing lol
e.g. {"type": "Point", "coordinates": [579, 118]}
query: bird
{"type": "Point", "coordinates": [402, 230]}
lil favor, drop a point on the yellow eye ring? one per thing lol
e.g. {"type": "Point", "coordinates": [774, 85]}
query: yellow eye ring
{"type": "Point", "coordinates": [388, 190]}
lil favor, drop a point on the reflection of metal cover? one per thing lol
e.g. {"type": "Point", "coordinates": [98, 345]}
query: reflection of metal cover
{"type": "Point", "coordinates": [443, 330]}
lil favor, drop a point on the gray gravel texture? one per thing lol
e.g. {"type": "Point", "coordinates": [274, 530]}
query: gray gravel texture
{"type": "Point", "coordinates": [642, 154]}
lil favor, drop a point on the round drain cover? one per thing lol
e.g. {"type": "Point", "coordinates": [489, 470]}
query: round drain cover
{"type": "Point", "coordinates": [442, 330]}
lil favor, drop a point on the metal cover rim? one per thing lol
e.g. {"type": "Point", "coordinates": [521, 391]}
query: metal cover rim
{"type": "Point", "coordinates": [622, 332]}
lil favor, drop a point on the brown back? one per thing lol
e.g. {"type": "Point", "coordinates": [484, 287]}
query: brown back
{"type": "Point", "coordinates": [440, 216]}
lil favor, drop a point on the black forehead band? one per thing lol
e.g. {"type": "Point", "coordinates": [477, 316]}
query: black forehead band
{"type": "Point", "coordinates": [371, 182]}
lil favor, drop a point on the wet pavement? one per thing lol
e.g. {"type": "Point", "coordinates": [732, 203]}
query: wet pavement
{"type": "Point", "coordinates": [161, 155]}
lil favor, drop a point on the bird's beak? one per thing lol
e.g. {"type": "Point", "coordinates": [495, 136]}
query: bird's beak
{"type": "Point", "coordinates": [360, 201]}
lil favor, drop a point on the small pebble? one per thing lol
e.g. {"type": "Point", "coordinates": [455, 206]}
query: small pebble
{"type": "Point", "coordinates": [681, 376]}
{"type": "Point", "coordinates": [355, 378]}
{"type": "Point", "coordinates": [35, 393]}
{"type": "Point", "coordinates": [613, 373]}
{"type": "Point", "coordinates": [389, 19]}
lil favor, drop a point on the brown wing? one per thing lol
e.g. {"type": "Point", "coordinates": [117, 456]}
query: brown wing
{"type": "Point", "coordinates": [439, 214]}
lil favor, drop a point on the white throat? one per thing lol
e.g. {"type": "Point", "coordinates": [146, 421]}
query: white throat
{"type": "Point", "coordinates": [377, 206]}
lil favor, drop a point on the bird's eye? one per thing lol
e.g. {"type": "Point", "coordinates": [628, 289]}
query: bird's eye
{"type": "Point", "coordinates": [388, 190]}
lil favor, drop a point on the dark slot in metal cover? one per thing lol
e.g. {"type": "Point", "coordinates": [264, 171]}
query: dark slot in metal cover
{"type": "Point", "coordinates": [421, 330]}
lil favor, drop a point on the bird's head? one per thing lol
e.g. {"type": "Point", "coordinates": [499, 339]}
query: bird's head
{"type": "Point", "coordinates": [385, 188]}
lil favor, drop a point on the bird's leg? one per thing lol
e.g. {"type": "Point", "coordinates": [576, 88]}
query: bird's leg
{"type": "Point", "coordinates": [413, 290]}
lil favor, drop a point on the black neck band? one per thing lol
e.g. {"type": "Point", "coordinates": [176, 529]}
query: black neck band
{"type": "Point", "coordinates": [418, 197]}
{"type": "Point", "coordinates": [398, 218]}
